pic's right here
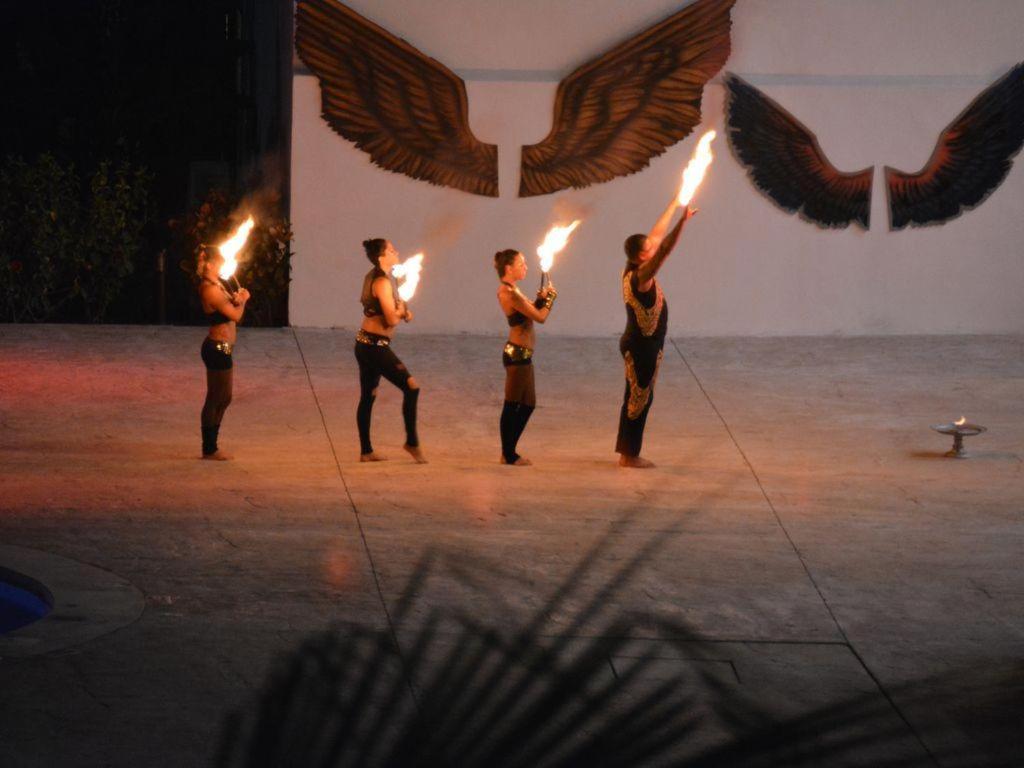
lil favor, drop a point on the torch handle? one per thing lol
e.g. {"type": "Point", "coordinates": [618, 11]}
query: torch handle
{"type": "Point", "coordinates": [231, 285]}
{"type": "Point", "coordinates": [543, 280]}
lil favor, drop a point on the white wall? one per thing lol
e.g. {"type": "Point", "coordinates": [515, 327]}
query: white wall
{"type": "Point", "coordinates": [877, 80]}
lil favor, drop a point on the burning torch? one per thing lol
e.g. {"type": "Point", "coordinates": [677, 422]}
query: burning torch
{"type": "Point", "coordinates": [555, 240]}
{"type": "Point", "coordinates": [408, 272]}
{"type": "Point", "coordinates": [229, 249]}
{"type": "Point", "coordinates": [693, 175]}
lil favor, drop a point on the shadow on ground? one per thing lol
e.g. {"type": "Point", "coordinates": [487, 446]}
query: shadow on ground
{"type": "Point", "coordinates": [455, 692]}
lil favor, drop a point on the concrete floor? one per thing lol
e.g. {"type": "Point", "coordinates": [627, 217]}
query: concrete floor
{"type": "Point", "coordinates": [816, 582]}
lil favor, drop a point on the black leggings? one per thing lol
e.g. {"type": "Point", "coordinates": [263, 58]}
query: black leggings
{"type": "Point", "coordinates": [520, 400]}
{"type": "Point", "coordinates": [374, 362]}
{"type": "Point", "coordinates": [219, 367]}
{"type": "Point", "coordinates": [642, 357]}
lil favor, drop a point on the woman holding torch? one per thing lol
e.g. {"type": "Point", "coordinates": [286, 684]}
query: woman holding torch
{"type": "Point", "coordinates": [642, 342]}
{"type": "Point", "coordinates": [223, 309]}
{"type": "Point", "coordinates": [382, 311]}
{"type": "Point", "coordinates": [517, 357]}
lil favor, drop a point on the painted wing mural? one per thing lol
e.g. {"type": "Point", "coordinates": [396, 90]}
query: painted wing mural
{"type": "Point", "coordinates": [403, 108]}
{"type": "Point", "coordinates": [971, 158]}
{"type": "Point", "coordinates": [785, 162]}
{"type": "Point", "coordinates": [615, 113]}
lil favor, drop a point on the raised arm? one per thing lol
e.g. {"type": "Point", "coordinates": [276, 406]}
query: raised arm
{"type": "Point", "coordinates": [646, 271]}
{"type": "Point", "coordinates": [394, 309]}
{"type": "Point", "coordinates": [657, 233]}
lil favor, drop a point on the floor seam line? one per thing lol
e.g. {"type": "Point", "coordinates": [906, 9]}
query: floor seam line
{"type": "Point", "coordinates": [803, 563]}
{"type": "Point", "coordinates": [359, 522]}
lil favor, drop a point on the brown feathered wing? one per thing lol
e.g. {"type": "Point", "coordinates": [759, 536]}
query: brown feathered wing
{"type": "Point", "coordinates": [615, 113]}
{"type": "Point", "coordinates": [785, 162]}
{"type": "Point", "coordinates": [972, 157]}
{"type": "Point", "coordinates": [403, 108]}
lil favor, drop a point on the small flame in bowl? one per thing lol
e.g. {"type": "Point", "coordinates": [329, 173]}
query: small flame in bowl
{"type": "Point", "coordinates": [409, 272]}
{"type": "Point", "coordinates": [961, 421]}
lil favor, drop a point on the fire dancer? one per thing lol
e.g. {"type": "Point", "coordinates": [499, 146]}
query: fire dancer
{"type": "Point", "coordinates": [382, 312]}
{"type": "Point", "coordinates": [642, 342]}
{"type": "Point", "coordinates": [646, 324]}
{"type": "Point", "coordinates": [224, 310]}
{"type": "Point", "coordinates": [517, 357]}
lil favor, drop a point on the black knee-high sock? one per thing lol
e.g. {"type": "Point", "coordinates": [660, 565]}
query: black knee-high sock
{"type": "Point", "coordinates": [409, 399]}
{"type": "Point", "coordinates": [507, 425]}
{"type": "Point", "coordinates": [522, 416]}
{"type": "Point", "coordinates": [210, 439]}
{"type": "Point", "coordinates": [363, 413]}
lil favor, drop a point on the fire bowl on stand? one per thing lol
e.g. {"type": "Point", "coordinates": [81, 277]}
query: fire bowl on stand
{"type": "Point", "coordinates": [959, 430]}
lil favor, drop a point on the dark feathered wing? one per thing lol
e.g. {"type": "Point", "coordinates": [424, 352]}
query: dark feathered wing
{"type": "Point", "coordinates": [615, 113]}
{"type": "Point", "coordinates": [783, 159]}
{"type": "Point", "coordinates": [972, 157]}
{"type": "Point", "coordinates": [403, 108]}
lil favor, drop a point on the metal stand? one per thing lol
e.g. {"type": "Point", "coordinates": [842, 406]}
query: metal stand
{"type": "Point", "coordinates": [959, 432]}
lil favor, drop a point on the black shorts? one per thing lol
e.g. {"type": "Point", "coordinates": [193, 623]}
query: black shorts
{"type": "Point", "coordinates": [513, 354]}
{"type": "Point", "coordinates": [216, 355]}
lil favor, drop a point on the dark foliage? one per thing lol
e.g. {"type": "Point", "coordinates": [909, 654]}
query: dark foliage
{"type": "Point", "coordinates": [68, 243]}
{"type": "Point", "coordinates": [178, 87]}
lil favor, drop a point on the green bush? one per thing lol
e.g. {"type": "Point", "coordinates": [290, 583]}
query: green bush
{"type": "Point", "coordinates": [112, 236]}
{"type": "Point", "coordinates": [66, 248]}
{"type": "Point", "coordinates": [39, 219]}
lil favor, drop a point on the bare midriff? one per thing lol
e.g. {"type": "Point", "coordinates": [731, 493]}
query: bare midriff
{"type": "Point", "coordinates": [376, 324]}
{"type": "Point", "coordinates": [523, 335]}
{"type": "Point", "coordinates": [224, 332]}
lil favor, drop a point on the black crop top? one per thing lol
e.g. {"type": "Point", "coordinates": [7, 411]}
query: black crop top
{"type": "Point", "coordinates": [371, 304]}
{"type": "Point", "coordinates": [216, 317]}
{"type": "Point", "coordinates": [517, 317]}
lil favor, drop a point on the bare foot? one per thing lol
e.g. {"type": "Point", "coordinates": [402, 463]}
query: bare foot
{"type": "Point", "coordinates": [416, 453]}
{"type": "Point", "coordinates": [635, 462]}
{"type": "Point", "coordinates": [521, 461]}
{"type": "Point", "coordinates": [371, 456]}
{"type": "Point", "coordinates": [218, 456]}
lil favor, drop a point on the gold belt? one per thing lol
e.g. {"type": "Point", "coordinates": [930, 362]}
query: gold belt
{"type": "Point", "coordinates": [517, 353]}
{"type": "Point", "coordinates": [222, 346]}
{"type": "Point", "coordinates": [374, 341]}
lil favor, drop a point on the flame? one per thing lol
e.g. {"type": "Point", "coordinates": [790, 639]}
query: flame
{"type": "Point", "coordinates": [961, 421]}
{"type": "Point", "coordinates": [410, 271]}
{"type": "Point", "coordinates": [554, 241]}
{"type": "Point", "coordinates": [696, 168]}
{"type": "Point", "coordinates": [229, 248]}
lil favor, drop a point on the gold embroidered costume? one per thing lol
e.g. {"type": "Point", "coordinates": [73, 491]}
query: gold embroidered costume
{"type": "Point", "coordinates": [642, 350]}
{"type": "Point", "coordinates": [639, 396]}
{"type": "Point", "coordinates": [646, 317]}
